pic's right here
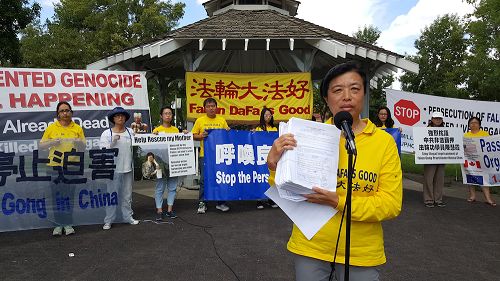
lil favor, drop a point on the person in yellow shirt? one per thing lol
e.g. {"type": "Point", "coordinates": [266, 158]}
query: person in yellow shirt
{"type": "Point", "coordinates": [167, 115]}
{"type": "Point", "coordinates": [266, 124]}
{"type": "Point", "coordinates": [376, 196]}
{"type": "Point", "coordinates": [202, 124]}
{"type": "Point", "coordinates": [61, 137]}
{"type": "Point", "coordinates": [266, 121]}
{"type": "Point", "coordinates": [476, 132]}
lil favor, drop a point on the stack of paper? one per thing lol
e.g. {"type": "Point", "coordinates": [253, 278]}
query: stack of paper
{"type": "Point", "coordinates": [313, 162]}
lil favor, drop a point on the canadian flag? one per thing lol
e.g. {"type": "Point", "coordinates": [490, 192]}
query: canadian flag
{"type": "Point", "coordinates": [471, 164]}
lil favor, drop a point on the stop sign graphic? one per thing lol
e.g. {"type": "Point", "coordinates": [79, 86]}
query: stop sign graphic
{"type": "Point", "coordinates": [406, 112]}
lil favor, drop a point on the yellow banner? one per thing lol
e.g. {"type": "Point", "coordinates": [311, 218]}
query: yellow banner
{"type": "Point", "coordinates": [241, 97]}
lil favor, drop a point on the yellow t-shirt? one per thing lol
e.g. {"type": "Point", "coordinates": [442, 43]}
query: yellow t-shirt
{"type": "Point", "coordinates": [377, 196]}
{"type": "Point", "coordinates": [479, 134]}
{"type": "Point", "coordinates": [205, 123]}
{"type": "Point", "coordinates": [169, 130]}
{"type": "Point", "coordinates": [268, 128]}
{"type": "Point", "coordinates": [57, 131]}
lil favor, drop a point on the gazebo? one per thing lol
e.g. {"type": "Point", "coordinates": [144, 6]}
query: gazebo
{"type": "Point", "coordinates": [253, 36]}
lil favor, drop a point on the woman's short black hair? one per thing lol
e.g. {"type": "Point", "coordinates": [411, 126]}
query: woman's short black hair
{"type": "Point", "coordinates": [339, 70]}
{"type": "Point", "coordinates": [472, 118]}
{"type": "Point", "coordinates": [150, 154]}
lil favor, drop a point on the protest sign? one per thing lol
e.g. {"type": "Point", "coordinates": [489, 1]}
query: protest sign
{"type": "Point", "coordinates": [235, 164]}
{"type": "Point", "coordinates": [174, 152]}
{"type": "Point", "coordinates": [482, 161]}
{"type": "Point", "coordinates": [438, 145]}
{"type": "Point", "coordinates": [412, 109]}
{"type": "Point", "coordinates": [32, 191]}
{"type": "Point", "coordinates": [240, 97]}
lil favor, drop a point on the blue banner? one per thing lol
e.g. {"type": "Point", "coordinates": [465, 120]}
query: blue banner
{"type": "Point", "coordinates": [235, 164]}
{"type": "Point", "coordinates": [396, 134]}
{"type": "Point", "coordinates": [35, 195]}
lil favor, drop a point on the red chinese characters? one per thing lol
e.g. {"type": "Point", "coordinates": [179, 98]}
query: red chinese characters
{"type": "Point", "coordinates": [276, 90]}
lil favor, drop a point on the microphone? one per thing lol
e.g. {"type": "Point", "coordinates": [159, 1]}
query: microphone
{"type": "Point", "coordinates": [343, 121]}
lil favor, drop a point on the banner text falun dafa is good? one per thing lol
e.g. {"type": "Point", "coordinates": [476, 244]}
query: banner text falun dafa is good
{"type": "Point", "coordinates": [241, 97]}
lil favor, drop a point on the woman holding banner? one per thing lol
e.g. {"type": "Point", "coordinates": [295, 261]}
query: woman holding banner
{"type": "Point", "coordinates": [62, 137]}
{"type": "Point", "coordinates": [384, 119]}
{"type": "Point", "coordinates": [167, 115]}
{"type": "Point", "coordinates": [374, 199]}
{"type": "Point", "coordinates": [120, 137]}
{"type": "Point", "coordinates": [476, 132]}
{"type": "Point", "coordinates": [266, 125]}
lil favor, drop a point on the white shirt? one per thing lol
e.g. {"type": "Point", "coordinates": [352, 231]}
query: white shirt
{"type": "Point", "coordinates": [123, 161]}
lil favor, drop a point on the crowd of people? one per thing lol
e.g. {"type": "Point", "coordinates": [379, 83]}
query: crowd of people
{"type": "Point", "coordinates": [343, 89]}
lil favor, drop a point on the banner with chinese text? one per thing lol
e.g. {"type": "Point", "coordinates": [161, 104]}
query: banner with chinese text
{"type": "Point", "coordinates": [482, 161]}
{"type": "Point", "coordinates": [36, 195]}
{"type": "Point", "coordinates": [412, 109]}
{"type": "Point", "coordinates": [240, 97]}
{"type": "Point", "coordinates": [235, 164]}
{"type": "Point", "coordinates": [438, 145]}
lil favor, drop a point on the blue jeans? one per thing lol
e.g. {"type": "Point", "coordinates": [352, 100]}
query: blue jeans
{"type": "Point", "coordinates": [171, 184]}
{"type": "Point", "coordinates": [201, 164]}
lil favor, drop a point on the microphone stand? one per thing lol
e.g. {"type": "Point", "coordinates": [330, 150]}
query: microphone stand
{"type": "Point", "coordinates": [348, 201]}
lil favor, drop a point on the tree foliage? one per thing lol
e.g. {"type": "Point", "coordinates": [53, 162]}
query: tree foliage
{"type": "Point", "coordinates": [441, 54]}
{"type": "Point", "coordinates": [483, 63]}
{"type": "Point", "coordinates": [83, 31]}
{"type": "Point", "coordinates": [368, 34]}
{"type": "Point", "coordinates": [14, 16]}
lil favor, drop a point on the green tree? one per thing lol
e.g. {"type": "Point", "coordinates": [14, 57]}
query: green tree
{"type": "Point", "coordinates": [14, 16]}
{"type": "Point", "coordinates": [319, 104]}
{"type": "Point", "coordinates": [441, 54]}
{"type": "Point", "coordinates": [377, 95]}
{"type": "Point", "coordinates": [83, 31]}
{"type": "Point", "coordinates": [483, 63]}
{"type": "Point", "coordinates": [369, 34]}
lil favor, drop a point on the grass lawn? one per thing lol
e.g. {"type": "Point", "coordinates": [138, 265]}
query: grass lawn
{"type": "Point", "coordinates": [409, 166]}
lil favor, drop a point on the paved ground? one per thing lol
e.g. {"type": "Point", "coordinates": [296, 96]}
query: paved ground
{"type": "Point", "coordinates": [459, 242]}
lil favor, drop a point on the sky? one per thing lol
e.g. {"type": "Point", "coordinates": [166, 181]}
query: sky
{"type": "Point", "coordinates": [401, 21]}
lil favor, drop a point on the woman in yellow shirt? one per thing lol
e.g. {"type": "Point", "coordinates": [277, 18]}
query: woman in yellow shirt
{"type": "Point", "coordinates": [167, 115]}
{"type": "Point", "coordinates": [266, 124]}
{"type": "Point", "coordinates": [266, 121]}
{"type": "Point", "coordinates": [476, 132]}
{"type": "Point", "coordinates": [61, 137]}
{"type": "Point", "coordinates": [376, 196]}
